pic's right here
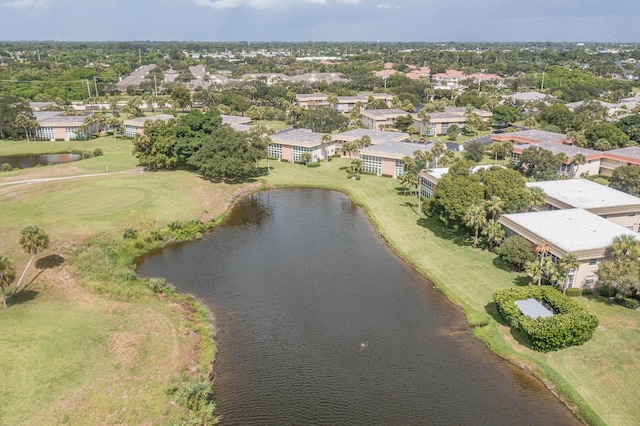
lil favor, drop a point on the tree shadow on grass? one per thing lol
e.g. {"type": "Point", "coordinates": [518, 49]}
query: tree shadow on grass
{"type": "Point", "coordinates": [23, 297]}
{"type": "Point", "coordinates": [522, 281]}
{"type": "Point", "coordinates": [441, 231]}
{"type": "Point", "coordinates": [401, 190]}
{"type": "Point", "coordinates": [48, 262]}
{"type": "Point", "coordinates": [501, 264]}
{"type": "Point", "coordinates": [492, 309]}
{"type": "Point", "coordinates": [412, 206]}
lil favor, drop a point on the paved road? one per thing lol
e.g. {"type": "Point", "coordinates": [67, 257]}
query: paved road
{"type": "Point", "coordinates": [17, 183]}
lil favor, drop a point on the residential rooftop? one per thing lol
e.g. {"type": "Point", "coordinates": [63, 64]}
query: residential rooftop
{"type": "Point", "coordinates": [585, 194]}
{"type": "Point", "coordinates": [382, 113]}
{"type": "Point", "coordinates": [394, 149]}
{"type": "Point", "coordinates": [557, 148]}
{"type": "Point", "coordinates": [139, 121]}
{"type": "Point", "coordinates": [570, 230]}
{"type": "Point", "coordinates": [531, 136]}
{"type": "Point", "coordinates": [298, 136]}
{"type": "Point", "coordinates": [375, 135]}
{"type": "Point", "coordinates": [629, 152]}
{"type": "Point", "coordinates": [234, 119]}
{"type": "Point", "coordinates": [527, 96]}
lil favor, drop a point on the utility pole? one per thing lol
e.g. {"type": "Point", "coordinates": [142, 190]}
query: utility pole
{"type": "Point", "coordinates": [95, 84]}
{"type": "Point", "coordinates": [88, 88]}
{"type": "Point", "coordinates": [140, 56]}
{"type": "Point", "coordinates": [155, 84]}
{"type": "Point", "coordinates": [38, 52]}
{"type": "Point", "coordinates": [542, 85]}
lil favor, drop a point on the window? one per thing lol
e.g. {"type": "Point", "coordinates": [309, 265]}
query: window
{"type": "Point", "coordinates": [589, 280]}
{"type": "Point", "coordinates": [515, 158]}
{"type": "Point", "coordinates": [297, 153]}
{"type": "Point", "coordinates": [130, 131]}
{"type": "Point", "coordinates": [275, 151]}
{"type": "Point", "coordinates": [444, 128]}
{"type": "Point", "coordinates": [426, 188]}
{"type": "Point", "coordinates": [45, 133]}
{"type": "Point", "coordinates": [70, 133]}
{"type": "Point", "coordinates": [371, 164]}
{"type": "Point", "coordinates": [399, 168]}
{"type": "Point", "coordinates": [632, 214]}
{"type": "Point", "coordinates": [593, 262]}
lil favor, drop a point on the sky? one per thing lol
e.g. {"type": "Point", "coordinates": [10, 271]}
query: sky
{"type": "Point", "coordinates": [322, 20]}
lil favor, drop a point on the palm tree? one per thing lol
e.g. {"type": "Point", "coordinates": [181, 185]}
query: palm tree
{"type": "Point", "coordinates": [496, 148]}
{"type": "Point", "coordinates": [534, 269]}
{"type": "Point", "coordinates": [541, 249]}
{"type": "Point", "coordinates": [568, 263]}
{"type": "Point", "coordinates": [538, 197]}
{"type": "Point", "coordinates": [494, 232]}
{"type": "Point", "coordinates": [25, 123]}
{"type": "Point", "coordinates": [32, 240]}
{"type": "Point", "coordinates": [437, 150]}
{"type": "Point", "coordinates": [7, 276]}
{"type": "Point", "coordinates": [305, 157]}
{"type": "Point", "coordinates": [625, 246]}
{"type": "Point", "coordinates": [507, 147]}
{"type": "Point", "coordinates": [495, 206]}
{"type": "Point", "coordinates": [348, 148]}
{"type": "Point", "coordinates": [425, 118]}
{"type": "Point", "coordinates": [326, 138]}
{"type": "Point", "coordinates": [576, 161]}
{"type": "Point", "coordinates": [115, 123]}
{"type": "Point", "coordinates": [530, 121]}
{"type": "Point", "coordinates": [366, 141]}
{"type": "Point", "coordinates": [475, 217]}
{"type": "Point", "coordinates": [448, 158]}
{"type": "Point", "coordinates": [356, 165]}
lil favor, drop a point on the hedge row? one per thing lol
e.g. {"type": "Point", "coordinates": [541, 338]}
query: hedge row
{"type": "Point", "coordinates": [571, 325]}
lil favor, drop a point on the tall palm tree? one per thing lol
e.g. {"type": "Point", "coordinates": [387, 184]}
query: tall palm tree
{"type": "Point", "coordinates": [538, 197]}
{"type": "Point", "coordinates": [494, 232]}
{"type": "Point", "coordinates": [625, 246]}
{"type": "Point", "coordinates": [437, 150]}
{"type": "Point", "coordinates": [24, 122]}
{"type": "Point", "coordinates": [475, 217]}
{"type": "Point", "coordinates": [7, 276]}
{"type": "Point", "coordinates": [577, 160]}
{"type": "Point", "coordinates": [366, 141]}
{"type": "Point", "coordinates": [496, 148]}
{"type": "Point", "coordinates": [541, 249]}
{"type": "Point", "coordinates": [32, 240]}
{"type": "Point", "coordinates": [115, 123]}
{"type": "Point", "coordinates": [448, 158]}
{"type": "Point", "coordinates": [495, 206]}
{"type": "Point", "coordinates": [507, 147]}
{"type": "Point", "coordinates": [569, 262]}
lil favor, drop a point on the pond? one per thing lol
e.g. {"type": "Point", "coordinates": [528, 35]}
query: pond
{"type": "Point", "coordinates": [319, 323]}
{"type": "Point", "coordinates": [26, 161]}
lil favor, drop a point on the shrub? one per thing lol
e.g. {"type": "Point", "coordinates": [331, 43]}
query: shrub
{"type": "Point", "coordinates": [516, 251]}
{"type": "Point", "coordinates": [196, 399]}
{"type": "Point", "coordinates": [97, 152]}
{"type": "Point", "coordinates": [607, 291]}
{"type": "Point", "coordinates": [6, 167]}
{"type": "Point", "coordinates": [284, 161]}
{"type": "Point", "coordinates": [87, 154]}
{"type": "Point", "coordinates": [157, 285]}
{"type": "Point", "coordinates": [627, 303]}
{"type": "Point", "coordinates": [188, 230]}
{"type": "Point", "coordinates": [130, 234]}
{"type": "Point", "coordinates": [601, 181]}
{"type": "Point", "coordinates": [571, 325]}
{"type": "Point", "coordinates": [574, 292]}
{"type": "Point", "coordinates": [314, 164]}
{"type": "Point", "coordinates": [587, 291]}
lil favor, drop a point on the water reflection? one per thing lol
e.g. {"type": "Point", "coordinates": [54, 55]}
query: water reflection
{"type": "Point", "coordinates": [321, 324]}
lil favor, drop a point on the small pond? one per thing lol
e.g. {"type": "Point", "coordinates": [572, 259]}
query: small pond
{"type": "Point", "coordinates": [26, 161]}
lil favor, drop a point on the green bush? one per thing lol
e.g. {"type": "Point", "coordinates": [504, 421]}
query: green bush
{"type": "Point", "coordinates": [587, 291]}
{"type": "Point", "coordinates": [6, 167]}
{"type": "Point", "coordinates": [195, 398]}
{"type": "Point", "coordinates": [601, 181]}
{"type": "Point", "coordinates": [284, 161]}
{"type": "Point", "coordinates": [607, 291]}
{"type": "Point", "coordinates": [130, 234]}
{"type": "Point", "coordinates": [574, 292]}
{"type": "Point", "coordinates": [314, 164]}
{"type": "Point", "coordinates": [181, 231]}
{"type": "Point", "coordinates": [87, 154]}
{"type": "Point", "coordinates": [97, 152]}
{"type": "Point", "coordinates": [157, 285]}
{"type": "Point", "coordinates": [627, 303]}
{"type": "Point", "coordinates": [516, 251]}
{"type": "Point", "coordinates": [571, 325]}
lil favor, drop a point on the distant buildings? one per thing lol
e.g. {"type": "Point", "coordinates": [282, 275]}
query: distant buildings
{"type": "Point", "coordinates": [135, 126]}
{"type": "Point", "coordinates": [55, 125]}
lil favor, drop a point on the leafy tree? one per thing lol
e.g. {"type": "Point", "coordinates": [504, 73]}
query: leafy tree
{"type": "Point", "coordinates": [538, 197]}
{"type": "Point", "coordinates": [455, 192]}
{"type": "Point", "coordinates": [558, 115]}
{"type": "Point", "coordinates": [616, 137]}
{"type": "Point", "coordinates": [437, 150]}
{"type": "Point", "coordinates": [475, 218]}
{"type": "Point", "coordinates": [323, 120]}
{"type": "Point", "coordinates": [516, 251]}
{"type": "Point", "coordinates": [539, 163]}
{"type": "Point", "coordinates": [7, 276]}
{"type": "Point", "coordinates": [32, 240]}
{"type": "Point", "coordinates": [25, 123]}
{"type": "Point", "coordinates": [10, 108]}
{"type": "Point", "coordinates": [468, 99]}
{"type": "Point", "coordinates": [305, 157]}
{"type": "Point", "coordinates": [622, 274]}
{"type": "Point", "coordinates": [474, 151]}
{"type": "Point", "coordinates": [156, 148]}
{"type": "Point", "coordinates": [505, 114]}
{"type": "Point", "coordinates": [403, 122]}
{"type": "Point", "coordinates": [228, 155]}
{"type": "Point", "coordinates": [181, 97]}
{"type": "Point", "coordinates": [453, 131]}
{"type": "Point", "coordinates": [630, 125]}
{"type": "Point", "coordinates": [508, 186]}
{"type": "Point", "coordinates": [626, 179]}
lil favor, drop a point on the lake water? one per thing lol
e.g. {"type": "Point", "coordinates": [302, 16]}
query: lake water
{"type": "Point", "coordinates": [319, 323]}
{"type": "Point", "coordinates": [25, 161]}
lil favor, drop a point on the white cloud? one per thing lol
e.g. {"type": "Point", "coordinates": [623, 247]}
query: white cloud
{"type": "Point", "coordinates": [388, 6]}
{"type": "Point", "coordinates": [24, 4]}
{"type": "Point", "coordinates": [258, 4]}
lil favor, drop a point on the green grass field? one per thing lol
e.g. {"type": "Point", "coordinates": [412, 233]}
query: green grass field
{"type": "Point", "coordinates": [599, 377]}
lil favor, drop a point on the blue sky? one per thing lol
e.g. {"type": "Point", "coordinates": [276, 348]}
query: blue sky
{"type": "Point", "coordinates": [317, 20]}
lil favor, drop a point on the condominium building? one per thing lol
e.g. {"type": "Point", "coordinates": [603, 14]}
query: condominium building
{"type": "Point", "coordinates": [291, 144]}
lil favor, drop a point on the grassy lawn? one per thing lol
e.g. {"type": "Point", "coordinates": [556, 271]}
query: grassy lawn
{"type": "Point", "coordinates": [600, 377]}
{"type": "Point", "coordinates": [274, 124]}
